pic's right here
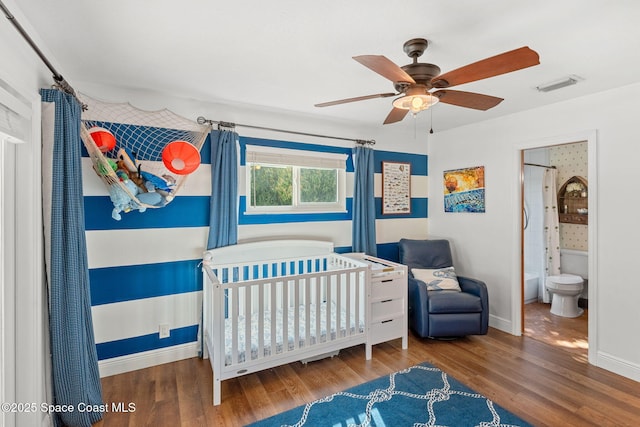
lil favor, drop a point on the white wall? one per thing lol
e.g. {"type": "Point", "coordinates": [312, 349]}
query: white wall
{"type": "Point", "coordinates": [487, 245]}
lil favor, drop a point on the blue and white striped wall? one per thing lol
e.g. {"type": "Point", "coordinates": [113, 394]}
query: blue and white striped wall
{"type": "Point", "coordinates": [144, 269]}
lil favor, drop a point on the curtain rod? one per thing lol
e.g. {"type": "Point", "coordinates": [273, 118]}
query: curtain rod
{"type": "Point", "coordinates": [60, 82]}
{"type": "Point", "coordinates": [540, 166]}
{"type": "Point", "coordinates": [229, 125]}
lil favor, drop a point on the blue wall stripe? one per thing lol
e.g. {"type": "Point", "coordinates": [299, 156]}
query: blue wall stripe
{"type": "Point", "coordinates": [183, 211]}
{"type": "Point", "coordinates": [277, 218]}
{"type": "Point", "coordinates": [205, 151]}
{"type": "Point", "coordinates": [131, 282]}
{"type": "Point", "coordinates": [418, 161]}
{"type": "Point", "coordinates": [387, 251]}
{"type": "Point", "coordinates": [184, 335]}
{"type": "Point", "coordinates": [343, 249]}
{"type": "Point", "coordinates": [419, 209]}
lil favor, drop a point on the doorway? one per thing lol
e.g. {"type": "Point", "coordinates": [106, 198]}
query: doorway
{"type": "Point", "coordinates": [23, 304]}
{"type": "Point", "coordinates": [572, 156]}
{"type": "Point", "coordinates": [7, 277]}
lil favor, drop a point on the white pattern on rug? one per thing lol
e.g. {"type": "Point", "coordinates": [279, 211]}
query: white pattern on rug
{"type": "Point", "coordinates": [431, 397]}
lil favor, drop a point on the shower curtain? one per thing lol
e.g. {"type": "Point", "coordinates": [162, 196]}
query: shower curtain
{"type": "Point", "coordinates": [551, 227]}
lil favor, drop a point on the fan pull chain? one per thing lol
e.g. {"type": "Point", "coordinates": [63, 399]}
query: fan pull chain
{"type": "Point", "coordinates": [431, 124]}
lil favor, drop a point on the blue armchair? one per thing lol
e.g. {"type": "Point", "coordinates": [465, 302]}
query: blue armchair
{"type": "Point", "coordinates": [442, 313]}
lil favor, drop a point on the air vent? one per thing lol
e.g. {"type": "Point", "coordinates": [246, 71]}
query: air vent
{"type": "Point", "coordinates": [558, 84]}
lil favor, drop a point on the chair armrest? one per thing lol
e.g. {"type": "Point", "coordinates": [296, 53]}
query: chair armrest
{"type": "Point", "coordinates": [478, 288]}
{"type": "Point", "coordinates": [418, 303]}
{"type": "Point", "coordinates": [417, 289]}
{"type": "Point", "coordinates": [472, 286]}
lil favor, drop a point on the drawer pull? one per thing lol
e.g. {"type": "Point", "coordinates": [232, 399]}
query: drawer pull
{"type": "Point", "coordinates": [386, 300]}
{"type": "Point", "coordinates": [386, 280]}
{"type": "Point", "coordinates": [387, 321]}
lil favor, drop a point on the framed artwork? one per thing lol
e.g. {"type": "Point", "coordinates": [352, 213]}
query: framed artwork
{"type": "Point", "coordinates": [464, 190]}
{"type": "Point", "coordinates": [396, 188]}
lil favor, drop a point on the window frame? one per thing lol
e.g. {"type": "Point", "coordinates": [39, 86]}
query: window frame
{"type": "Point", "coordinates": [297, 160]}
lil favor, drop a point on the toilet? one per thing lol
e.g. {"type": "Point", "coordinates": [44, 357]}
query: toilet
{"type": "Point", "coordinates": [565, 289]}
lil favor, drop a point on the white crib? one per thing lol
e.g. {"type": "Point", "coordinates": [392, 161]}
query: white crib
{"type": "Point", "coordinates": [269, 303]}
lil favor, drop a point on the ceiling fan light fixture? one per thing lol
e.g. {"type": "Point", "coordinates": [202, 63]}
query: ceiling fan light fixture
{"type": "Point", "coordinates": [415, 103]}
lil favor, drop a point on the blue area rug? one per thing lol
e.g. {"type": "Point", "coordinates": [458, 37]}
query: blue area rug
{"type": "Point", "coordinates": [418, 396]}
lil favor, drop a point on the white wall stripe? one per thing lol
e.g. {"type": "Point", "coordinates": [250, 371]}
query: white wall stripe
{"type": "Point", "coordinates": [197, 184]}
{"type": "Point", "coordinates": [392, 230]}
{"type": "Point", "coordinates": [338, 232]}
{"type": "Point", "coordinates": [110, 248]}
{"type": "Point", "coordinates": [142, 317]}
{"type": "Point", "coordinates": [150, 246]}
{"type": "Point", "coordinates": [146, 359]}
{"type": "Point", "coordinates": [419, 185]}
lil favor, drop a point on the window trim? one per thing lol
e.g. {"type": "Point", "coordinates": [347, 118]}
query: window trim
{"type": "Point", "coordinates": [297, 159]}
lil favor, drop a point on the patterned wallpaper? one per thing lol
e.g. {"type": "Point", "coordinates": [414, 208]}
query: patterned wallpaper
{"type": "Point", "coordinates": [571, 160]}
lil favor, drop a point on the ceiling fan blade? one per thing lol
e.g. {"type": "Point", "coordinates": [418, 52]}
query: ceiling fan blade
{"type": "Point", "coordinates": [395, 115]}
{"type": "Point", "coordinates": [358, 98]}
{"type": "Point", "coordinates": [500, 64]}
{"type": "Point", "coordinates": [473, 100]}
{"type": "Point", "coordinates": [385, 67]}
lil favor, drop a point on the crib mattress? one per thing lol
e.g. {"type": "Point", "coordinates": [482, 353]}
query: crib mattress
{"type": "Point", "coordinates": [334, 331]}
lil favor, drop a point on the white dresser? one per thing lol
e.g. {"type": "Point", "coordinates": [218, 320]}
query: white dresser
{"type": "Point", "coordinates": [387, 309]}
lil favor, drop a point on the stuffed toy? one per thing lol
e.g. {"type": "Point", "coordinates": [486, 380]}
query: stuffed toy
{"type": "Point", "coordinates": [122, 201]}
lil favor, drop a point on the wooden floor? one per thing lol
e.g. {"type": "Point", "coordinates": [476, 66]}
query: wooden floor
{"type": "Point", "coordinates": [570, 334]}
{"type": "Point", "coordinates": [546, 382]}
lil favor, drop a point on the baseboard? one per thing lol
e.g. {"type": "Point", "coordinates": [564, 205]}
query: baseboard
{"type": "Point", "coordinates": [618, 366]}
{"type": "Point", "coordinates": [146, 359]}
{"type": "Point", "coordinates": [500, 323]}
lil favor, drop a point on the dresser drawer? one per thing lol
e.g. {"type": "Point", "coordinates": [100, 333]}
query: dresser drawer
{"type": "Point", "coordinates": [386, 330]}
{"type": "Point", "coordinates": [387, 309]}
{"type": "Point", "coordinates": [388, 288]}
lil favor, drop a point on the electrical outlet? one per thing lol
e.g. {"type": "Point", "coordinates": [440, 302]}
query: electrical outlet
{"type": "Point", "coordinates": [164, 330]}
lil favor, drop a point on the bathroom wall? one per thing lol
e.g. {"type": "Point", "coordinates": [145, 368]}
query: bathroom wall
{"type": "Point", "coordinates": [571, 160]}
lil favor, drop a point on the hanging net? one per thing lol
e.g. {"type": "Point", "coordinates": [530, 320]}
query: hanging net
{"type": "Point", "coordinates": [143, 157]}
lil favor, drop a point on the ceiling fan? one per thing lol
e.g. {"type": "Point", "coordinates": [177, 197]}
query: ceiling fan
{"type": "Point", "coordinates": [415, 81]}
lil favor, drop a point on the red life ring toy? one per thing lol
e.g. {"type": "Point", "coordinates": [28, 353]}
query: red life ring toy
{"type": "Point", "coordinates": [180, 157]}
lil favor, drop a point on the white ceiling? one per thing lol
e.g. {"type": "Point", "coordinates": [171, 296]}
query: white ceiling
{"type": "Point", "coordinates": [292, 54]}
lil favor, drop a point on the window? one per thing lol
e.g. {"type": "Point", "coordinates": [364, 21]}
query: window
{"type": "Point", "coordinates": [280, 180]}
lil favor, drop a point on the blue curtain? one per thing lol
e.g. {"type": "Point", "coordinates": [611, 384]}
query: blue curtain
{"type": "Point", "coordinates": [74, 358]}
{"type": "Point", "coordinates": [223, 220]}
{"type": "Point", "coordinates": [364, 210]}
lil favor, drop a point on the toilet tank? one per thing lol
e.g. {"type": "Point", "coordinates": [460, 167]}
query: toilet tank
{"type": "Point", "coordinates": [574, 262]}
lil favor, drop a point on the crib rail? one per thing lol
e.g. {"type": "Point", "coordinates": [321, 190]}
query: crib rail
{"type": "Point", "coordinates": [270, 316]}
{"type": "Point", "coordinates": [251, 270]}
